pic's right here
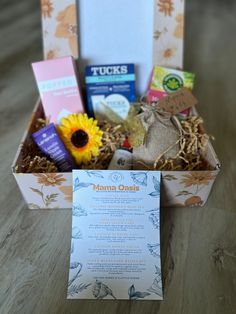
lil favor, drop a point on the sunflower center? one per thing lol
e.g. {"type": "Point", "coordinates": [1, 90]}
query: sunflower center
{"type": "Point", "coordinates": [51, 180]}
{"type": "Point", "coordinates": [79, 138]}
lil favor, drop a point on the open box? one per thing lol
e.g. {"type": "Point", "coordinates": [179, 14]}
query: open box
{"type": "Point", "coordinates": [163, 46]}
{"type": "Point", "coordinates": [178, 188]}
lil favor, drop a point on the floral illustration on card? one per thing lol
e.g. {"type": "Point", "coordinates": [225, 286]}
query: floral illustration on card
{"type": "Point", "coordinates": [179, 30]}
{"type": "Point", "coordinates": [73, 290]}
{"type": "Point", "coordinates": [156, 184]}
{"type": "Point", "coordinates": [78, 211]}
{"type": "Point", "coordinates": [139, 178]}
{"type": "Point", "coordinates": [101, 291]}
{"type": "Point", "coordinates": [80, 185]}
{"type": "Point", "coordinates": [135, 295]}
{"type": "Point", "coordinates": [154, 217]}
{"type": "Point", "coordinates": [47, 180]}
{"type": "Point", "coordinates": [96, 174]}
{"type": "Point", "coordinates": [156, 286]}
{"type": "Point", "coordinates": [76, 233]}
{"type": "Point", "coordinates": [75, 265]}
{"type": "Point", "coordinates": [75, 274]}
{"type": "Point", "coordinates": [76, 268]}
{"type": "Point", "coordinates": [67, 27]}
{"type": "Point", "coordinates": [154, 249]}
{"type": "Point", "coordinates": [166, 7]}
{"type": "Point", "coordinates": [46, 8]}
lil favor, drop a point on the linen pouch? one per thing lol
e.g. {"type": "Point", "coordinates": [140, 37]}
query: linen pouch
{"type": "Point", "coordinates": [161, 139]}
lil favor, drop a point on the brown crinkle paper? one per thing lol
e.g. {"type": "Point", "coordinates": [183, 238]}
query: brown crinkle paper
{"type": "Point", "coordinates": [34, 161]}
{"type": "Point", "coordinates": [38, 165]}
{"type": "Point", "coordinates": [112, 139]}
{"type": "Point", "coordinates": [192, 143]}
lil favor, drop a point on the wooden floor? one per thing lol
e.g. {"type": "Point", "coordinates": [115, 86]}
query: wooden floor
{"type": "Point", "coordinates": [198, 245]}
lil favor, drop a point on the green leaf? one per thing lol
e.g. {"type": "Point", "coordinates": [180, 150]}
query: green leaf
{"type": "Point", "coordinates": [33, 206]}
{"type": "Point", "coordinates": [51, 198]}
{"type": "Point", "coordinates": [169, 177]}
{"type": "Point", "coordinates": [37, 191]}
{"type": "Point", "coordinates": [184, 193]}
{"type": "Point", "coordinates": [54, 195]}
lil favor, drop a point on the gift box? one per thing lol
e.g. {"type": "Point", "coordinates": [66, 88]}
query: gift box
{"type": "Point", "coordinates": [54, 190]}
{"type": "Point", "coordinates": [164, 47]}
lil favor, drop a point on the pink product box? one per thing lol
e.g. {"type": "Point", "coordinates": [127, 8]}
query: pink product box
{"type": "Point", "coordinates": [58, 87]}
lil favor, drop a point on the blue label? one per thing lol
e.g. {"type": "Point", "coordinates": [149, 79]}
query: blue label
{"type": "Point", "coordinates": [103, 81]}
{"type": "Point", "coordinates": [110, 78]}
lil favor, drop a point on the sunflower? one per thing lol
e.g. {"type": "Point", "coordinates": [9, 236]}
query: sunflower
{"type": "Point", "coordinates": [197, 178]}
{"type": "Point", "coordinates": [50, 179]}
{"type": "Point", "coordinates": [168, 53]}
{"type": "Point", "coordinates": [166, 7]}
{"type": "Point", "coordinates": [82, 136]}
{"type": "Point", "coordinates": [46, 8]}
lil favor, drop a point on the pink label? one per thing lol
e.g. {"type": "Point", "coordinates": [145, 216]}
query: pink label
{"type": "Point", "coordinates": [154, 96]}
{"type": "Point", "coordinates": [58, 88]}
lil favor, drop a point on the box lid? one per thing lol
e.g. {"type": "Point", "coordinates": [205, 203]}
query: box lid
{"type": "Point", "coordinates": [141, 32]}
{"type": "Point", "coordinates": [125, 31]}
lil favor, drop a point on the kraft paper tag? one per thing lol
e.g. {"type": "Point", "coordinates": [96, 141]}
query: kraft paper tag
{"type": "Point", "coordinates": [178, 101]}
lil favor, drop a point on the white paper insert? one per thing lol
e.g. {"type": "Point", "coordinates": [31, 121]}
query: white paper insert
{"type": "Point", "coordinates": [121, 31]}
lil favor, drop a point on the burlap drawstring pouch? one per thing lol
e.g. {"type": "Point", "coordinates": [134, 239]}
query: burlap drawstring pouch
{"type": "Point", "coordinates": [162, 137]}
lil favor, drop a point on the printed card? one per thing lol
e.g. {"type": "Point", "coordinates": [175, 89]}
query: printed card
{"type": "Point", "coordinates": [115, 246]}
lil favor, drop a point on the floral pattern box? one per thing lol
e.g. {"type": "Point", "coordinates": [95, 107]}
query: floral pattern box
{"type": "Point", "coordinates": [54, 190]}
{"type": "Point", "coordinates": [59, 28]}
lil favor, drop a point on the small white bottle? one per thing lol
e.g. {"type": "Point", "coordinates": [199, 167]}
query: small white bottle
{"type": "Point", "coordinates": [122, 160]}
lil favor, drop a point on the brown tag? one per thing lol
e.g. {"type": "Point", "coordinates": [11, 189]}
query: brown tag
{"type": "Point", "coordinates": [178, 101]}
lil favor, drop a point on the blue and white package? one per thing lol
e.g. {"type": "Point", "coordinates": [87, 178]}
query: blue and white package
{"type": "Point", "coordinates": [110, 87]}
